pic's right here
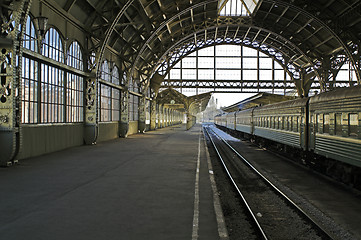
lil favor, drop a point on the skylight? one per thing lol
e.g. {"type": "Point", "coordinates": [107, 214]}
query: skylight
{"type": "Point", "coordinates": [236, 7]}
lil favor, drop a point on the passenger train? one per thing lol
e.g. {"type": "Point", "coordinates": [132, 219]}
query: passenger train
{"type": "Point", "coordinates": [324, 131]}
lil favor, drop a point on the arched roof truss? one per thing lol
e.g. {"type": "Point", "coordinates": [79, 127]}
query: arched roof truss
{"type": "Point", "coordinates": [314, 37]}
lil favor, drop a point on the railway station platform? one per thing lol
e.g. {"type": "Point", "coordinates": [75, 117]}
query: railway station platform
{"type": "Point", "coordinates": [156, 185]}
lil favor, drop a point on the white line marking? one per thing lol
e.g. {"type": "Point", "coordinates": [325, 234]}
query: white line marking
{"type": "Point", "coordinates": [196, 194]}
{"type": "Point", "coordinates": [222, 229]}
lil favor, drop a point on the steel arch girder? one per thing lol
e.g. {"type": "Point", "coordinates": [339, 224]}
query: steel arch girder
{"type": "Point", "coordinates": [190, 36]}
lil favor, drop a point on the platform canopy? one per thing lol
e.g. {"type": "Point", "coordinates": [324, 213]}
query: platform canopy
{"type": "Point", "coordinates": [173, 99]}
{"type": "Point", "coordinates": [259, 99]}
{"type": "Point", "coordinates": [311, 39]}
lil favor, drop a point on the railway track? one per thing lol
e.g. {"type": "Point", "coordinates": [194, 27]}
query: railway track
{"type": "Point", "coordinates": [272, 215]}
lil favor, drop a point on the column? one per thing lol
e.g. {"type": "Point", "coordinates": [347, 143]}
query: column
{"type": "Point", "coordinates": [142, 117]}
{"type": "Point", "coordinates": [153, 114]}
{"type": "Point", "coordinates": [10, 103]}
{"type": "Point", "coordinates": [189, 121]}
{"type": "Point", "coordinates": [164, 119]}
{"type": "Point", "coordinates": [160, 116]}
{"type": "Point", "coordinates": [124, 115]}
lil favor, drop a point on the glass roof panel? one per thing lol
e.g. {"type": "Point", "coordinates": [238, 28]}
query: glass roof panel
{"type": "Point", "coordinates": [236, 7]}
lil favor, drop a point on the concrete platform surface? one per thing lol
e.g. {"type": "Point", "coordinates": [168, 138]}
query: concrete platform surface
{"type": "Point", "coordinates": [142, 187]}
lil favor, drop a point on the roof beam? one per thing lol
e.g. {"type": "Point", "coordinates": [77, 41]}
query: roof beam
{"type": "Point", "coordinates": [68, 5]}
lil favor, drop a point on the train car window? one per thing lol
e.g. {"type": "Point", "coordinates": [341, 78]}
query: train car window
{"type": "Point", "coordinates": [326, 123]}
{"type": "Point", "coordinates": [338, 124]}
{"type": "Point", "coordinates": [352, 124]}
{"type": "Point", "coordinates": [302, 123]}
{"type": "Point", "coordinates": [318, 124]}
{"type": "Point", "coordinates": [279, 123]}
{"type": "Point", "coordinates": [265, 122]}
{"type": "Point", "coordinates": [289, 124]}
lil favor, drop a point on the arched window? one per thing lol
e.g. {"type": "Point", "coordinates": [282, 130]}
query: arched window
{"type": "Point", "coordinates": [105, 93]}
{"type": "Point", "coordinates": [30, 36]}
{"type": "Point", "coordinates": [147, 108]}
{"type": "Point", "coordinates": [52, 80]}
{"type": "Point", "coordinates": [75, 56]}
{"type": "Point", "coordinates": [133, 102]}
{"type": "Point", "coordinates": [109, 96]}
{"type": "Point", "coordinates": [74, 85]}
{"type": "Point", "coordinates": [233, 67]}
{"type": "Point", "coordinates": [52, 45]}
{"type": "Point", "coordinates": [124, 78]}
{"type": "Point", "coordinates": [29, 77]}
{"type": "Point", "coordinates": [115, 95]}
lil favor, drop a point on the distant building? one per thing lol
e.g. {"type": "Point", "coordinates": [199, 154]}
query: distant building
{"type": "Point", "coordinates": [211, 110]}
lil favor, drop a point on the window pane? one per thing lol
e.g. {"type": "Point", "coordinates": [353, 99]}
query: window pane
{"type": "Point", "coordinates": [223, 62]}
{"type": "Point", "coordinates": [205, 74]}
{"type": "Point", "coordinates": [353, 124]}
{"type": "Point", "coordinates": [189, 74]}
{"type": "Point", "coordinates": [206, 62]}
{"type": "Point", "coordinates": [189, 62]}
{"type": "Point", "coordinates": [209, 51]}
{"type": "Point", "coordinates": [228, 75]}
{"type": "Point", "coordinates": [265, 63]}
{"type": "Point", "coordinates": [326, 123]}
{"type": "Point", "coordinates": [249, 75]}
{"type": "Point", "coordinates": [250, 63]}
{"type": "Point", "coordinates": [249, 52]}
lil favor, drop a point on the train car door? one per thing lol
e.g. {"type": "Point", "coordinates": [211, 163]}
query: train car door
{"type": "Point", "coordinates": [312, 132]}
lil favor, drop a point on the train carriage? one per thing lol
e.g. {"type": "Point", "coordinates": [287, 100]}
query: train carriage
{"type": "Point", "coordinates": [282, 122]}
{"type": "Point", "coordinates": [231, 120]}
{"type": "Point", "coordinates": [221, 120]}
{"type": "Point", "coordinates": [244, 121]}
{"type": "Point", "coordinates": [323, 130]}
{"type": "Point", "coordinates": [334, 125]}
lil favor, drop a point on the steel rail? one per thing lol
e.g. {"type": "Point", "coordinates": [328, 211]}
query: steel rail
{"type": "Point", "coordinates": [235, 185]}
{"type": "Point", "coordinates": [277, 190]}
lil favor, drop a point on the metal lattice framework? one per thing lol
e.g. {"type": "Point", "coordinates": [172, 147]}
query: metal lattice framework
{"type": "Point", "coordinates": [237, 35]}
{"type": "Point", "coordinates": [312, 40]}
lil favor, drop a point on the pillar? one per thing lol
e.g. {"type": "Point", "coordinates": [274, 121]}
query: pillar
{"type": "Point", "coordinates": [164, 117]}
{"type": "Point", "coordinates": [167, 114]}
{"type": "Point", "coordinates": [11, 66]}
{"type": "Point", "coordinates": [142, 115]}
{"type": "Point", "coordinates": [160, 116]}
{"type": "Point", "coordinates": [170, 117]}
{"type": "Point", "coordinates": [124, 115]}
{"type": "Point", "coordinates": [91, 115]}
{"type": "Point", "coordinates": [153, 115]}
{"type": "Point", "coordinates": [189, 121]}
